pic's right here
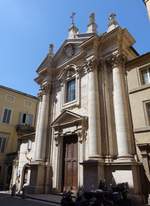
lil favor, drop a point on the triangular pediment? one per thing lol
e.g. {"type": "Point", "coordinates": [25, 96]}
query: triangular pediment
{"type": "Point", "coordinates": [63, 55]}
{"type": "Point", "coordinates": [67, 118]}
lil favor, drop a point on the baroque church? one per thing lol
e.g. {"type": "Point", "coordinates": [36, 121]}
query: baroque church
{"type": "Point", "coordinates": [84, 130]}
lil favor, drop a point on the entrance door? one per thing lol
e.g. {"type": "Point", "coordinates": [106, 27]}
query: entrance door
{"type": "Point", "coordinates": [70, 163]}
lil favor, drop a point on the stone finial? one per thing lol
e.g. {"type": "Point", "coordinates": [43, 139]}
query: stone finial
{"type": "Point", "coordinates": [112, 22]}
{"type": "Point", "coordinates": [92, 27]}
{"type": "Point", "coordinates": [73, 30]}
{"type": "Point", "coordinates": [51, 49]}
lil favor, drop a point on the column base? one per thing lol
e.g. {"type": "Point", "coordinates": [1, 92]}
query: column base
{"type": "Point", "coordinates": [125, 158]}
{"type": "Point", "coordinates": [38, 180]}
{"type": "Point", "coordinates": [96, 157]}
{"type": "Point", "coordinates": [109, 158]}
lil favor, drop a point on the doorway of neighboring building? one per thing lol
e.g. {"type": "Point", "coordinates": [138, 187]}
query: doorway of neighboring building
{"type": "Point", "coordinates": [9, 174]}
{"type": "Point", "coordinates": [70, 163]}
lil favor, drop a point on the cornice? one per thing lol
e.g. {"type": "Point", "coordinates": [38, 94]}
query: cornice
{"type": "Point", "coordinates": [139, 89]}
{"type": "Point", "coordinates": [18, 92]}
{"type": "Point", "coordinates": [139, 61]}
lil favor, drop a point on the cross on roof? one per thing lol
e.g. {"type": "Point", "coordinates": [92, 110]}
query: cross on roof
{"type": "Point", "coordinates": [73, 17]}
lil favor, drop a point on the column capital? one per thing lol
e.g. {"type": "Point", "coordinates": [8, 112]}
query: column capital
{"type": "Point", "coordinates": [116, 60]}
{"type": "Point", "coordinates": [45, 88]}
{"type": "Point", "coordinates": [91, 64]}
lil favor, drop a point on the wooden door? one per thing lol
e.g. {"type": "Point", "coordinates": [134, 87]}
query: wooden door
{"type": "Point", "coordinates": [70, 163]}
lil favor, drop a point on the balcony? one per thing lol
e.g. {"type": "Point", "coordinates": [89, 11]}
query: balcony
{"type": "Point", "coordinates": [22, 129]}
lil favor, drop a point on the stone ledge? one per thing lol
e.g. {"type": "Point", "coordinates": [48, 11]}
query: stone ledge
{"type": "Point", "coordinates": [142, 129]}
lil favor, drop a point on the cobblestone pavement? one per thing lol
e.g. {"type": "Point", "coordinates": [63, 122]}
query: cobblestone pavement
{"type": "Point", "coordinates": [7, 200]}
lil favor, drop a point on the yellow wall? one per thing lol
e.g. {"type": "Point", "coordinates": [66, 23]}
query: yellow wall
{"type": "Point", "coordinates": [19, 103]}
{"type": "Point", "coordinates": [139, 94]}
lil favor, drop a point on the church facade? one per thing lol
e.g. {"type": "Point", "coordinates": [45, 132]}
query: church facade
{"type": "Point", "coordinates": [84, 130]}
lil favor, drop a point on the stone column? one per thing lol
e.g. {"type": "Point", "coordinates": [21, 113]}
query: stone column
{"type": "Point", "coordinates": [94, 134]}
{"type": "Point", "coordinates": [120, 101]}
{"type": "Point", "coordinates": [42, 123]}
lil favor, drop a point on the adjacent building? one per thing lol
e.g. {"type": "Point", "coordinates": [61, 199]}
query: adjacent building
{"type": "Point", "coordinates": [139, 94]}
{"type": "Point", "coordinates": [147, 3]}
{"type": "Point", "coordinates": [84, 131]}
{"type": "Point", "coordinates": [17, 117]}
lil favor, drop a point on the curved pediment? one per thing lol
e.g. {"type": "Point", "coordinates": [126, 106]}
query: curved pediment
{"type": "Point", "coordinates": [68, 72]}
{"type": "Point", "coordinates": [68, 118]}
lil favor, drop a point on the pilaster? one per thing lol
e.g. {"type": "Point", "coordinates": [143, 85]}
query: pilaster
{"type": "Point", "coordinates": [94, 133]}
{"type": "Point", "coordinates": [120, 102]}
{"type": "Point", "coordinates": [42, 123]}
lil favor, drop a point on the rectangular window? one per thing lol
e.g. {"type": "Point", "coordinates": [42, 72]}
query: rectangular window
{"type": "Point", "coordinates": [26, 119]}
{"type": "Point", "coordinates": [70, 90]}
{"type": "Point", "coordinates": [7, 115]}
{"type": "Point", "coordinates": [148, 111]}
{"type": "Point", "coordinates": [2, 143]}
{"type": "Point", "coordinates": [145, 76]}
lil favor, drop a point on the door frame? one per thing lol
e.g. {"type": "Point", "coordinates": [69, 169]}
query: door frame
{"type": "Point", "coordinates": [63, 160]}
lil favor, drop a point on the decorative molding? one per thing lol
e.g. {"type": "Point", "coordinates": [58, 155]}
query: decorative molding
{"type": "Point", "coordinates": [91, 64]}
{"type": "Point", "coordinates": [142, 129]}
{"type": "Point", "coordinates": [69, 50]}
{"type": "Point", "coordinates": [57, 136]}
{"type": "Point", "coordinates": [28, 157]}
{"type": "Point", "coordinates": [138, 89]}
{"type": "Point", "coordinates": [82, 134]}
{"type": "Point", "coordinates": [80, 123]}
{"type": "Point", "coordinates": [45, 88]}
{"type": "Point", "coordinates": [116, 60]}
{"type": "Point", "coordinates": [69, 72]}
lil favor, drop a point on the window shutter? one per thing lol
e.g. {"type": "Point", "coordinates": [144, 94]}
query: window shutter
{"type": "Point", "coordinates": [8, 115]}
{"type": "Point", "coordinates": [5, 115]}
{"type": "Point", "coordinates": [30, 119]}
{"type": "Point", "coordinates": [3, 144]}
{"type": "Point", "coordinates": [20, 117]}
{"type": "Point", "coordinates": [27, 119]}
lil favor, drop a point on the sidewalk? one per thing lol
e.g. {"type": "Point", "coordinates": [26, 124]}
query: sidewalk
{"type": "Point", "coordinates": [51, 198]}
{"type": "Point", "coordinates": [54, 199]}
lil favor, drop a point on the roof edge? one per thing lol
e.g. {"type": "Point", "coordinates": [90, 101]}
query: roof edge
{"type": "Point", "coordinates": [18, 92]}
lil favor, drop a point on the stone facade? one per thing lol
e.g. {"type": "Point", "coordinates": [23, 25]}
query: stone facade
{"type": "Point", "coordinates": [84, 130]}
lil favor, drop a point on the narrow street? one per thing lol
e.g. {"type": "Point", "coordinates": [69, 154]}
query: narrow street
{"type": "Point", "coordinates": [7, 200]}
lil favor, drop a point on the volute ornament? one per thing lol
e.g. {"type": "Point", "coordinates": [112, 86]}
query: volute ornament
{"type": "Point", "coordinates": [116, 60]}
{"type": "Point", "coordinates": [90, 64]}
{"type": "Point", "coordinates": [57, 137]}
